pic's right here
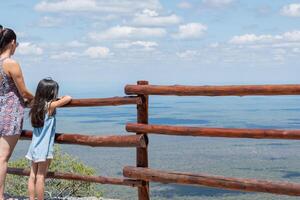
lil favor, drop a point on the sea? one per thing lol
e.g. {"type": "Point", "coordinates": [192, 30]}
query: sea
{"type": "Point", "coordinates": [277, 160]}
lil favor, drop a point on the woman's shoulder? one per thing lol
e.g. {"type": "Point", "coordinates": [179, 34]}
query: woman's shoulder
{"type": "Point", "coordinates": [10, 61]}
{"type": "Point", "coordinates": [11, 64]}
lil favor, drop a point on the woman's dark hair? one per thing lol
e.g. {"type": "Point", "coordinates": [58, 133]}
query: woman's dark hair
{"type": "Point", "coordinates": [6, 36]}
{"type": "Point", "coordinates": [47, 90]}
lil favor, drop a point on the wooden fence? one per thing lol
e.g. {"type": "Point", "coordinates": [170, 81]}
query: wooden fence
{"type": "Point", "coordinates": [140, 175]}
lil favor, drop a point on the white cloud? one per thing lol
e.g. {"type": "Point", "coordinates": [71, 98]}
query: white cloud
{"type": "Point", "coordinates": [278, 48]}
{"type": "Point", "coordinates": [98, 52]}
{"type": "Point", "coordinates": [148, 13]}
{"type": "Point", "coordinates": [151, 18]}
{"type": "Point", "coordinates": [251, 38]}
{"type": "Point", "coordinates": [246, 54]}
{"type": "Point", "coordinates": [184, 5]}
{"type": "Point", "coordinates": [27, 48]}
{"type": "Point", "coordinates": [64, 56]}
{"type": "Point", "coordinates": [249, 49]}
{"type": "Point", "coordinates": [146, 45]}
{"type": "Point", "coordinates": [76, 44]}
{"type": "Point", "coordinates": [191, 30]}
{"type": "Point", "coordinates": [125, 32]}
{"type": "Point", "coordinates": [291, 10]}
{"type": "Point", "coordinates": [49, 22]}
{"type": "Point", "coordinates": [188, 54]}
{"type": "Point", "coordinates": [217, 3]}
{"type": "Point", "coordinates": [124, 6]}
{"type": "Point", "coordinates": [66, 5]}
{"type": "Point", "coordinates": [291, 36]}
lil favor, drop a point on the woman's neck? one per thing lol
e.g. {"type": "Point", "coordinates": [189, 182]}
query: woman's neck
{"type": "Point", "coordinates": [5, 54]}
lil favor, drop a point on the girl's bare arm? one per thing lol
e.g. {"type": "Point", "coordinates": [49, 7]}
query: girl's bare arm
{"type": "Point", "coordinates": [60, 102]}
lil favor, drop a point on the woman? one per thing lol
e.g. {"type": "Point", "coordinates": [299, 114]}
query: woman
{"type": "Point", "coordinates": [13, 94]}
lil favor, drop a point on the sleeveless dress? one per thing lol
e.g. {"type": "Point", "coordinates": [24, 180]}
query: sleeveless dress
{"type": "Point", "coordinates": [41, 147]}
{"type": "Point", "coordinates": [11, 105]}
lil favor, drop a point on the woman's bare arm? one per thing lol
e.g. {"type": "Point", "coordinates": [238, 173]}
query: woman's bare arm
{"type": "Point", "coordinates": [16, 73]}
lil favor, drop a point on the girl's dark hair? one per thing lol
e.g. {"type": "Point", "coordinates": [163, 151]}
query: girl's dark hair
{"type": "Point", "coordinates": [47, 90]}
{"type": "Point", "coordinates": [6, 36]}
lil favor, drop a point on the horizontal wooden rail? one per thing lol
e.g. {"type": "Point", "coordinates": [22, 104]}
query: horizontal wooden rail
{"type": "Point", "coordinates": [214, 132]}
{"type": "Point", "coordinates": [241, 184]}
{"type": "Point", "coordinates": [232, 90]}
{"type": "Point", "coordinates": [77, 177]}
{"type": "Point", "coordinates": [95, 141]}
{"type": "Point", "coordinates": [112, 101]}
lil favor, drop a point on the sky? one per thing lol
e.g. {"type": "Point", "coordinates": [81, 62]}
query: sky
{"type": "Point", "coordinates": [95, 47]}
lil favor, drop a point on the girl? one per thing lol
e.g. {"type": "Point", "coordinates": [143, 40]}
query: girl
{"type": "Point", "coordinates": [42, 116]}
{"type": "Point", "coordinates": [13, 94]}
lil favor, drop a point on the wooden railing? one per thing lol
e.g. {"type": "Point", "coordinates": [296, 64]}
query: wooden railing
{"type": "Point", "coordinates": [253, 185]}
{"type": "Point", "coordinates": [140, 175]}
{"type": "Point", "coordinates": [135, 141]}
{"type": "Point", "coordinates": [214, 132]}
{"type": "Point", "coordinates": [233, 90]}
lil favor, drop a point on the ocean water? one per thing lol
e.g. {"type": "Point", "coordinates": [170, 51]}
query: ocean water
{"type": "Point", "coordinates": [247, 158]}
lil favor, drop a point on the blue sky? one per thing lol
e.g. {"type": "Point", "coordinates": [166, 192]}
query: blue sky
{"type": "Point", "coordinates": [95, 47]}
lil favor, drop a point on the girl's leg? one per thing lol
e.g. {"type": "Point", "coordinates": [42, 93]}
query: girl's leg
{"type": "Point", "coordinates": [40, 179]}
{"type": "Point", "coordinates": [7, 145]}
{"type": "Point", "coordinates": [32, 180]}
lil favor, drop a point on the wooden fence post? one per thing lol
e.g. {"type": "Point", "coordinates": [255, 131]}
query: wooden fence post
{"type": "Point", "coordinates": [142, 152]}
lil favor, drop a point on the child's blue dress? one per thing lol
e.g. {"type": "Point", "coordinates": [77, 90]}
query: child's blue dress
{"type": "Point", "coordinates": [41, 147]}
